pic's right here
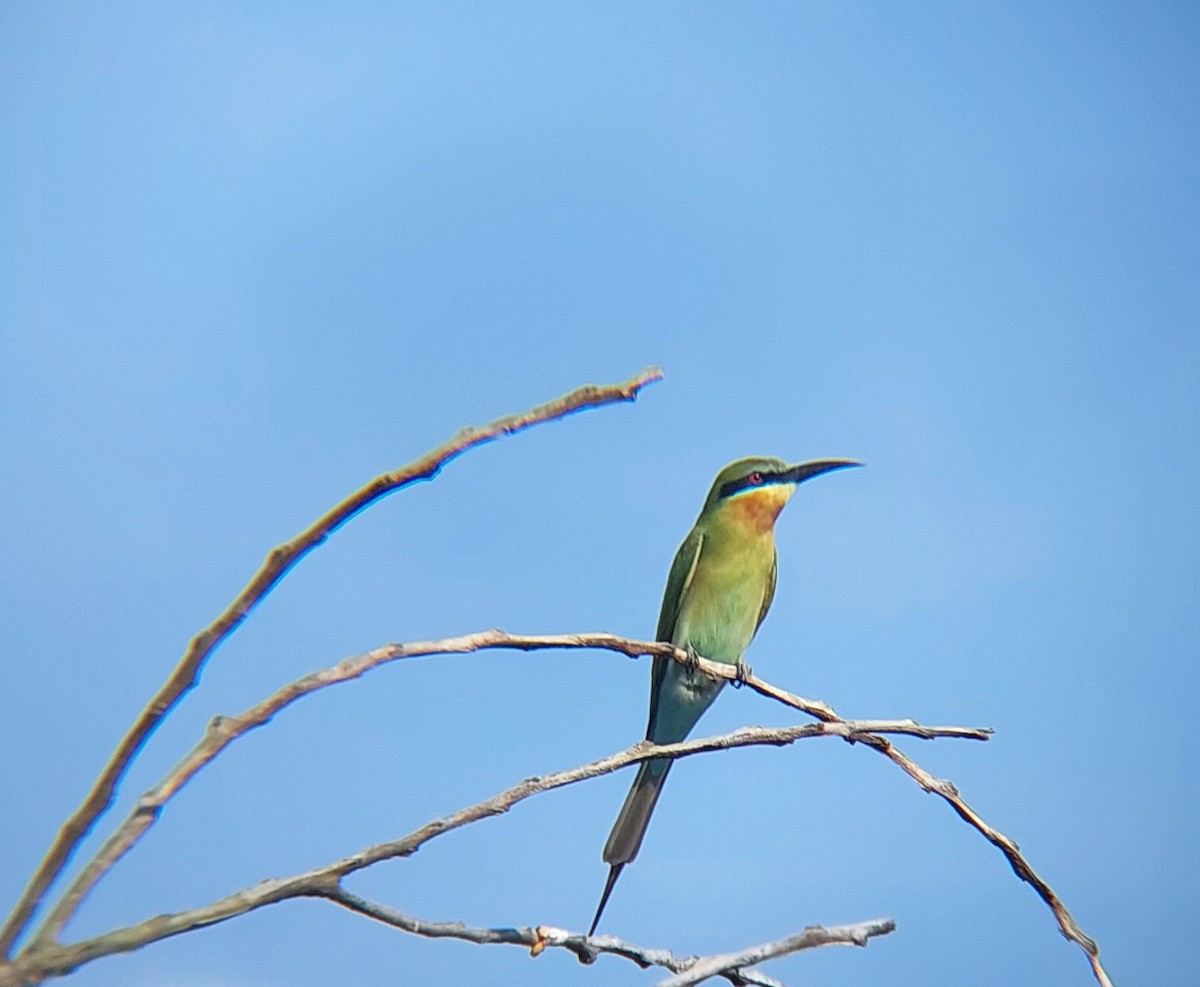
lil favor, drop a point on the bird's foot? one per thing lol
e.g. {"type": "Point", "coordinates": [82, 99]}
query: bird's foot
{"type": "Point", "coordinates": [693, 661]}
{"type": "Point", "coordinates": [743, 675]}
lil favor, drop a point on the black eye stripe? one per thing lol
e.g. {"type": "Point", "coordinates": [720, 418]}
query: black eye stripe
{"type": "Point", "coordinates": [745, 482]}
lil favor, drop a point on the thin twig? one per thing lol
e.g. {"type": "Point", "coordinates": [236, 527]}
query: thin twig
{"type": "Point", "coordinates": [811, 938]}
{"type": "Point", "coordinates": [223, 730]}
{"type": "Point", "coordinates": [941, 787]}
{"type": "Point", "coordinates": [277, 564]}
{"type": "Point", "coordinates": [947, 791]}
{"type": "Point", "coordinates": [42, 959]}
{"type": "Point", "coordinates": [586, 949]}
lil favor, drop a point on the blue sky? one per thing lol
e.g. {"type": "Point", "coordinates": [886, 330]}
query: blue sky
{"type": "Point", "coordinates": [257, 256]}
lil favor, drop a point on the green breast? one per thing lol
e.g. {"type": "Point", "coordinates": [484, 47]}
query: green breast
{"type": "Point", "coordinates": [720, 608]}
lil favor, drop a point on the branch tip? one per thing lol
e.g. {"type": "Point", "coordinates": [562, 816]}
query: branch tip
{"type": "Point", "coordinates": [186, 673]}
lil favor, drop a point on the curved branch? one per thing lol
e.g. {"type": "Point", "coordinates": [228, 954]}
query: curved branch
{"type": "Point", "coordinates": [43, 959]}
{"type": "Point", "coordinates": [224, 730]}
{"type": "Point", "coordinates": [689, 970]}
{"type": "Point", "coordinates": [947, 791]}
{"type": "Point", "coordinates": [811, 938]}
{"type": "Point", "coordinates": [941, 787]}
{"type": "Point", "coordinates": [276, 566]}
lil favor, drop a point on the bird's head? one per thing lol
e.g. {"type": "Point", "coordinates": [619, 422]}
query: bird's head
{"type": "Point", "coordinates": [754, 490]}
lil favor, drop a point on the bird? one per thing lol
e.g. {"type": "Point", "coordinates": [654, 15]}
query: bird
{"type": "Point", "coordinates": [719, 589]}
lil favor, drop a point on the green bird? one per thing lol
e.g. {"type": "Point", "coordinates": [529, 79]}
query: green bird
{"type": "Point", "coordinates": [718, 592]}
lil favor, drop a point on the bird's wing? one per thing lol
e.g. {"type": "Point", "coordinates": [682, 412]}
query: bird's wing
{"type": "Point", "coordinates": [769, 592]}
{"type": "Point", "coordinates": [680, 578]}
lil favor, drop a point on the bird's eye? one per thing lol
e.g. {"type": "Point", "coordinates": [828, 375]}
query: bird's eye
{"type": "Point", "coordinates": [755, 478]}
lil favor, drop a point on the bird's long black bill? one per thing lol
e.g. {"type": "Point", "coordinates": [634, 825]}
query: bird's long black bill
{"type": "Point", "coordinates": [806, 471]}
{"type": "Point", "coordinates": [613, 873]}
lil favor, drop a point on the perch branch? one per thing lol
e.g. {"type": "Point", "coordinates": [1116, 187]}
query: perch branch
{"type": "Point", "coordinates": [943, 788]}
{"type": "Point", "coordinates": [223, 730]}
{"type": "Point", "coordinates": [276, 565]}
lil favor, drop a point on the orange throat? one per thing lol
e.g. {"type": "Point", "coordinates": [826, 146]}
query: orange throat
{"type": "Point", "coordinates": [756, 510]}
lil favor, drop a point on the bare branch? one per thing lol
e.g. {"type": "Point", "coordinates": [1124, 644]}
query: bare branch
{"type": "Point", "coordinates": [277, 564]}
{"type": "Point", "coordinates": [810, 938]}
{"type": "Point", "coordinates": [43, 958]}
{"type": "Point", "coordinates": [586, 948]}
{"type": "Point", "coordinates": [943, 788]}
{"type": "Point", "coordinates": [223, 730]}
{"type": "Point", "coordinates": [947, 791]}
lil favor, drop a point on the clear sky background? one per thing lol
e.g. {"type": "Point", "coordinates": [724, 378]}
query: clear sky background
{"type": "Point", "coordinates": [254, 257]}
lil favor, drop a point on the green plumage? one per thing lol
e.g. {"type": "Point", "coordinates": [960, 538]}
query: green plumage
{"type": "Point", "coordinates": [720, 588]}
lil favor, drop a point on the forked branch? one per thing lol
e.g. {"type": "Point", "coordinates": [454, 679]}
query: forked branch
{"type": "Point", "coordinates": [43, 959]}
{"type": "Point", "coordinates": [734, 967]}
{"type": "Point", "coordinates": [224, 730]}
{"type": "Point", "coordinates": [45, 956]}
{"type": "Point", "coordinates": [277, 564]}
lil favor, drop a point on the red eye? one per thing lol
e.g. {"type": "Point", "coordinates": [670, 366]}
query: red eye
{"type": "Point", "coordinates": [755, 478]}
